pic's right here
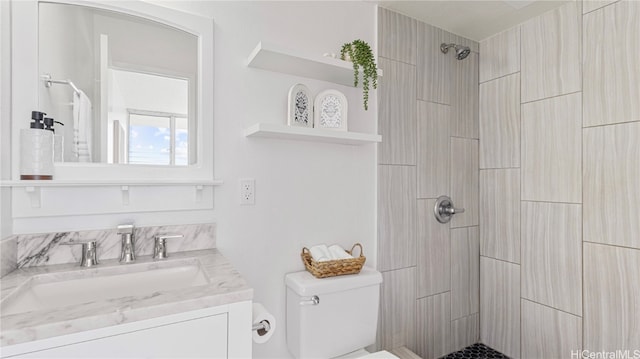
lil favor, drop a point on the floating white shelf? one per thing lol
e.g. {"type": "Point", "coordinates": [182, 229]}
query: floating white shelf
{"type": "Point", "coordinates": [93, 183]}
{"type": "Point", "coordinates": [33, 187]}
{"type": "Point", "coordinates": [271, 130]}
{"type": "Point", "coordinates": [273, 58]}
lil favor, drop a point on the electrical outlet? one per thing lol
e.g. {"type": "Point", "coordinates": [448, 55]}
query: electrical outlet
{"type": "Point", "coordinates": [247, 191]}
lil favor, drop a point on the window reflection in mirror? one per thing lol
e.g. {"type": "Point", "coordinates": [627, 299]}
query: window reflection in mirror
{"type": "Point", "coordinates": [147, 119]}
{"type": "Point", "coordinates": [137, 82]}
{"type": "Point", "coordinates": [157, 139]}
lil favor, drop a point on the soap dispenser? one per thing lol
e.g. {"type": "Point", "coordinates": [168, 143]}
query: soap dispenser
{"type": "Point", "coordinates": [58, 140]}
{"type": "Point", "coordinates": [36, 150]}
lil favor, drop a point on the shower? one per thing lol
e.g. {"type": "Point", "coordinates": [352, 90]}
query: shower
{"type": "Point", "coordinates": [461, 51]}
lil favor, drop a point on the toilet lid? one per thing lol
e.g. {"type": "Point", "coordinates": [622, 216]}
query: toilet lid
{"type": "Point", "coordinates": [383, 354]}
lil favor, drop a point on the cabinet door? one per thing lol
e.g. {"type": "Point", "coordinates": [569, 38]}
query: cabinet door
{"type": "Point", "coordinates": [196, 338]}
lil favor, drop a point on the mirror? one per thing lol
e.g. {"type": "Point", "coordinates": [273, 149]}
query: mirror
{"type": "Point", "coordinates": [159, 62]}
{"type": "Point", "coordinates": [124, 87]}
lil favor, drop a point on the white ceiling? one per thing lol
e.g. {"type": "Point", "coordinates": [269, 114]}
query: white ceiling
{"type": "Point", "coordinates": [474, 20]}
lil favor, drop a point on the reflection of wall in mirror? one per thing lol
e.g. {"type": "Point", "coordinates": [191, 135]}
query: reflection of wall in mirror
{"type": "Point", "coordinates": [117, 154]}
{"type": "Point", "coordinates": [69, 49]}
{"type": "Point", "coordinates": [147, 47]}
{"type": "Point", "coordinates": [64, 52]}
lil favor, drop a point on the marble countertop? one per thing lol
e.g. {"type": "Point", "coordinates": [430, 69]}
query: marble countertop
{"type": "Point", "coordinates": [225, 286]}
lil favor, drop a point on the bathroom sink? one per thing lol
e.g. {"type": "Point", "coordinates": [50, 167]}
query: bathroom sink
{"type": "Point", "coordinates": [57, 290]}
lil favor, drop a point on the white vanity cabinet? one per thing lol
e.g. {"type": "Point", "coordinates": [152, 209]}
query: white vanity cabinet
{"type": "Point", "coordinates": [217, 332]}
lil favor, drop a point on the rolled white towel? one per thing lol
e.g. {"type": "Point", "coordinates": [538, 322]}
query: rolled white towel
{"type": "Point", "coordinates": [320, 253]}
{"type": "Point", "coordinates": [338, 252]}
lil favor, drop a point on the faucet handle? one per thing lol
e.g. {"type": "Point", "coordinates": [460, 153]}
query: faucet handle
{"type": "Point", "coordinates": [89, 254]}
{"type": "Point", "coordinates": [125, 229]}
{"type": "Point", "coordinates": [89, 242]}
{"type": "Point", "coordinates": [160, 247]}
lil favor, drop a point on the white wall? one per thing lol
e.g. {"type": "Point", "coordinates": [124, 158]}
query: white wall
{"type": "Point", "coordinates": [6, 227]}
{"type": "Point", "coordinates": [306, 193]}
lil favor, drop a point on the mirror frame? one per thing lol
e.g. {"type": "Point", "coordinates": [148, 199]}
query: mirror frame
{"type": "Point", "coordinates": [26, 79]}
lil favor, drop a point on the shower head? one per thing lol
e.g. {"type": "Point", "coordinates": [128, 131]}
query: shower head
{"type": "Point", "coordinates": [461, 51]}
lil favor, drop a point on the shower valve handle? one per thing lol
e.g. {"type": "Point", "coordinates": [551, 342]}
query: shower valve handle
{"type": "Point", "coordinates": [451, 210]}
{"type": "Point", "coordinates": [444, 209]}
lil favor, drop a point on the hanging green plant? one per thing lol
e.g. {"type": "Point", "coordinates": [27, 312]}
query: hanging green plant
{"type": "Point", "coordinates": [359, 52]}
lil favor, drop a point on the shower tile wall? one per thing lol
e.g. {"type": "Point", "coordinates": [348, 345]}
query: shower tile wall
{"type": "Point", "coordinates": [563, 153]}
{"type": "Point", "coordinates": [428, 119]}
{"type": "Point", "coordinates": [396, 217]}
{"type": "Point", "coordinates": [554, 38]}
{"type": "Point", "coordinates": [554, 331]}
{"type": "Point", "coordinates": [551, 143]}
{"type": "Point", "coordinates": [500, 305]}
{"type": "Point", "coordinates": [611, 301]}
{"type": "Point", "coordinates": [500, 214]}
{"type": "Point", "coordinates": [464, 180]}
{"type": "Point", "coordinates": [500, 123]}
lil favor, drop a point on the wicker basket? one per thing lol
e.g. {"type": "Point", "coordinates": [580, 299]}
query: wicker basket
{"type": "Point", "coordinates": [335, 267]}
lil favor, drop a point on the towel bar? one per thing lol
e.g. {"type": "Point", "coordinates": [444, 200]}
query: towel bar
{"type": "Point", "coordinates": [48, 81]}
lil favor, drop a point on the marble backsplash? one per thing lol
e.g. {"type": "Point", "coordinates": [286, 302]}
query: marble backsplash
{"type": "Point", "coordinates": [47, 248]}
{"type": "Point", "coordinates": [8, 255]}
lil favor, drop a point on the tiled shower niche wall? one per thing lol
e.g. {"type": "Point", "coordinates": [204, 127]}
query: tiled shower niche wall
{"type": "Point", "coordinates": [428, 119]}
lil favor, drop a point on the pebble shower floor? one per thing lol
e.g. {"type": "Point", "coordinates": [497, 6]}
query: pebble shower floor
{"type": "Point", "coordinates": [476, 351]}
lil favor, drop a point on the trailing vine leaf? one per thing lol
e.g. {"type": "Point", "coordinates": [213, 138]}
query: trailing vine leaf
{"type": "Point", "coordinates": [361, 56]}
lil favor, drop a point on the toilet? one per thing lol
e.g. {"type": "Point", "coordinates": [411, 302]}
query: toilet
{"type": "Point", "coordinates": [334, 317]}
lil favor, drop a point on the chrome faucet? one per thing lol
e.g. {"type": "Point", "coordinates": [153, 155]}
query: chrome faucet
{"type": "Point", "coordinates": [160, 247]}
{"type": "Point", "coordinates": [89, 254]}
{"type": "Point", "coordinates": [128, 253]}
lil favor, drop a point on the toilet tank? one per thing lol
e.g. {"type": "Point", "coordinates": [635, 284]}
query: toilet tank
{"type": "Point", "coordinates": [344, 320]}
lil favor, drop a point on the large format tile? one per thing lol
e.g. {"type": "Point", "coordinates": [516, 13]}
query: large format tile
{"type": "Point", "coordinates": [500, 54]}
{"type": "Point", "coordinates": [396, 36]}
{"type": "Point", "coordinates": [433, 329]}
{"type": "Point", "coordinates": [465, 331]}
{"type": "Point", "coordinates": [549, 333]}
{"type": "Point", "coordinates": [396, 324]}
{"type": "Point", "coordinates": [465, 272]}
{"type": "Point", "coordinates": [500, 306]}
{"type": "Point", "coordinates": [590, 5]}
{"type": "Point", "coordinates": [434, 67]}
{"type": "Point", "coordinates": [464, 98]}
{"type": "Point", "coordinates": [612, 184]}
{"type": "Point", "coordinates": [434, 252]}
{"type": "Point", "coordinates": [397, 113]}
{"type": "Point", "coordinates": [464, 181]}
{"type": "Point", "coordinates": [396, 217]}
{"type": "Point", "coordinates": [552, 255]}
{"type": "Point", "coordinates": [500, 122]}
{"type": "Point", "coordinates": [433, 149]}
{"type": "Point", "coordinates": [500, 214]}
{"type": "Point", "coordinates": [551, 150]}
{"type": "Point", "coordinates": [611, 64]}
{"type": "Point", "coordinates": [551, 53]}
{"type": "Point", "coordinates": [611, 300]}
